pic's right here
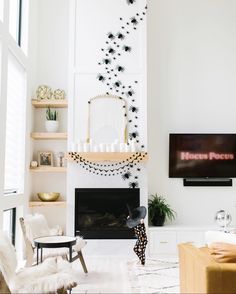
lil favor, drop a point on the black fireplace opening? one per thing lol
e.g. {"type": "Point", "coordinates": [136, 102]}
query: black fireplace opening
{"type": "Point", "coordinates": [101, 213]}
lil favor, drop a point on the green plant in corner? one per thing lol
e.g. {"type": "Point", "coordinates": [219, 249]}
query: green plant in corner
{"type": "Point", "coordinates": [51, 115]}
{"type": "Point", "coordinates": [159, 210]}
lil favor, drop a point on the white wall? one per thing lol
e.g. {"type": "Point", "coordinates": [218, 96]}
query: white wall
{"type": "Point", "coordinates": [53, 32]}
{"type": "Point", "coordinates": [49, 41]}
{"type": "Point", "coordinates": [191, 84]}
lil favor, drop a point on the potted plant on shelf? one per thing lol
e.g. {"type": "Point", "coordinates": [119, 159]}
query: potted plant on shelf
{"type": "Point", "coordinates": [159, 211]}
{"type": "Point", "coordinates": [51, 123]}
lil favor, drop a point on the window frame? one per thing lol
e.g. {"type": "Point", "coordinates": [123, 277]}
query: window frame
{"type": "Point", "coordinates": [19, 23]}
{"type": "Point", "coordinates": [12, 224]}
{"type": "Point", "coordinates": [15, 20]}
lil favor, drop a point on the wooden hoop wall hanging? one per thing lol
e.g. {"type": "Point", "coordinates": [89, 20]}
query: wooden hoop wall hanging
{"type": "Point", "coordinates": [122, 110]}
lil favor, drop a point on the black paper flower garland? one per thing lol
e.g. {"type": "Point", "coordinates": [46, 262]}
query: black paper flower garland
{"type": "Point", "coordinates": [113, 169]}
{"type": "Point", "coordinates": [117, 45]}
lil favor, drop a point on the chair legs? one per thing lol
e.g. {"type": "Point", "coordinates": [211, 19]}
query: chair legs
{"type": "Point", "coordinates": [62, 291]}
{"type": "Point", "coordinates": [81, 258]}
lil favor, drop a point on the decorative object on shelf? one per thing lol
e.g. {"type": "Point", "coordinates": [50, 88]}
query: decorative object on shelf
{"type": "Point", "coordinates": [159, 210]}
{"type": "Point", "coordinates": [51, 122]}
{"type": "Point", "coordinates": [114, 146]}
{"type": "Point", "coordinates": [120, 168]}
{"type": "Point", "coordinates": [102, 147]}
{"type": "Point", "coordinates": [135, 220]}
{"type": "Point", "coordinates": [86, 147]}
{"type": "Point", "coordinates": [79, 147]}
{"type": "Point", "coordinates": [122, 147]}
{"type": "Point", "coordinates": [45, 158]}
{"type": "Point", "coordinates": [127, 148]}
{"type": "Point", "coordinates": [61, 159]}
{"type": "Point", "coordinates": [223, 218]}
{"type": "Point", "coordinates": [95, 149]}
{"type": "Point", "coordinates": [44, 92]}
{"type": "Point", "coordinates": [74, 147]}
{"type": "Point", "coordinates": [33, 164]}
{"type": "Point", "coordinates": [132, 146]}
{"type": "Point", "coordinates": [51, 196]}
{"type": "Point", "coordinates": [59, 94]}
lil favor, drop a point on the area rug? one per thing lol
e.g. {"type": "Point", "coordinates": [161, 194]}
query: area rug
{"type": "Point", "coordinates": [157, 276]}
{"type": "Point", "coordinates": [112, 274]}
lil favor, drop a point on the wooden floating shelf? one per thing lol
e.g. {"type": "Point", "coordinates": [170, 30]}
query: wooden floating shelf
{"type": "Point", "coordinates": [47, 204]}
{"type": "Point", "coordinates": [48, 169]}
{"type": "Point", "coordinates": [108, 156]}
{"type": "Point", "coordinates": [49, 136]}
{"type": "Point", "coordinates": [50, 103]}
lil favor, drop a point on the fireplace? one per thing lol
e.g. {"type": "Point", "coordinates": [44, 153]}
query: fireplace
{"type": "Point", "coordinates": [101, 213]}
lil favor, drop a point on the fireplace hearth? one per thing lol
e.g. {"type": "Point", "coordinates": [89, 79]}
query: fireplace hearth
{"type": "Point", "coordinates": [101, 213]}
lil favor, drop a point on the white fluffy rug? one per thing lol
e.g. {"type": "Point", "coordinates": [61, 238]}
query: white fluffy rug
{"type": "Point", "coordinates": [110, 274]}
{"type": "Point", "coordinates": [106, 274]}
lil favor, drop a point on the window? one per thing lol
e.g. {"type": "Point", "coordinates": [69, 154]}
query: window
{"type": "Point", "coordinates": [15, 127]}
{"type": "Point", "coordinates": [24, 25]}
{"type": "Point", "coordinates": [1, 9]}
{"type": "Point", "coordinates": [9, 223]}
{"type": "Point", "coordinates": [18, 22]}
{"type": "Point", "coordinates": [15, 19]}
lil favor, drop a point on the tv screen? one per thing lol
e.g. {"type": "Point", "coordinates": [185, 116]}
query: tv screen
{"type": "Point", "coordinates": [202, 155]}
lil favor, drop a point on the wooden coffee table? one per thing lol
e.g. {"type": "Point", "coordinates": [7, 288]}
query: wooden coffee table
{"type": "Point", "coordinates": [54, 242]}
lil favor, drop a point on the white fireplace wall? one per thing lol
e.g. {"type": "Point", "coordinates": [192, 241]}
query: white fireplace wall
{"type": "Point", "coordinates": [90, 22]}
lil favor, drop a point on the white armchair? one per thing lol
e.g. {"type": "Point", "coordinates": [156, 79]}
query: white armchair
{"type": "Point", "coordinates": [52, 276]}
{"type": "Point", "coordinates": [34, 226]}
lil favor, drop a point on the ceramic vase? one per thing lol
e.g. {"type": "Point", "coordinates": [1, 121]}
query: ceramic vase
{"type": "Point", "coordinates": [51, 126]}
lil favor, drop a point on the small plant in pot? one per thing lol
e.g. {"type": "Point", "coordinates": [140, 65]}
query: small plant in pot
{"type": "Point", "coordinates": [51, 123]}
{"type": "Point", "coordinates": [159, 211]}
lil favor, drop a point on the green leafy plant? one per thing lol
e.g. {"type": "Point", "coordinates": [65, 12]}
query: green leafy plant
{"type": "Point", "coordinates": [51, 114]}
{"type": "Point", "coordinates": [159, 210]}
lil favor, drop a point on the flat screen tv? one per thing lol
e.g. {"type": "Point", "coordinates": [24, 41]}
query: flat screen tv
{"type": "Point", "coordinates": [202, 155]}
